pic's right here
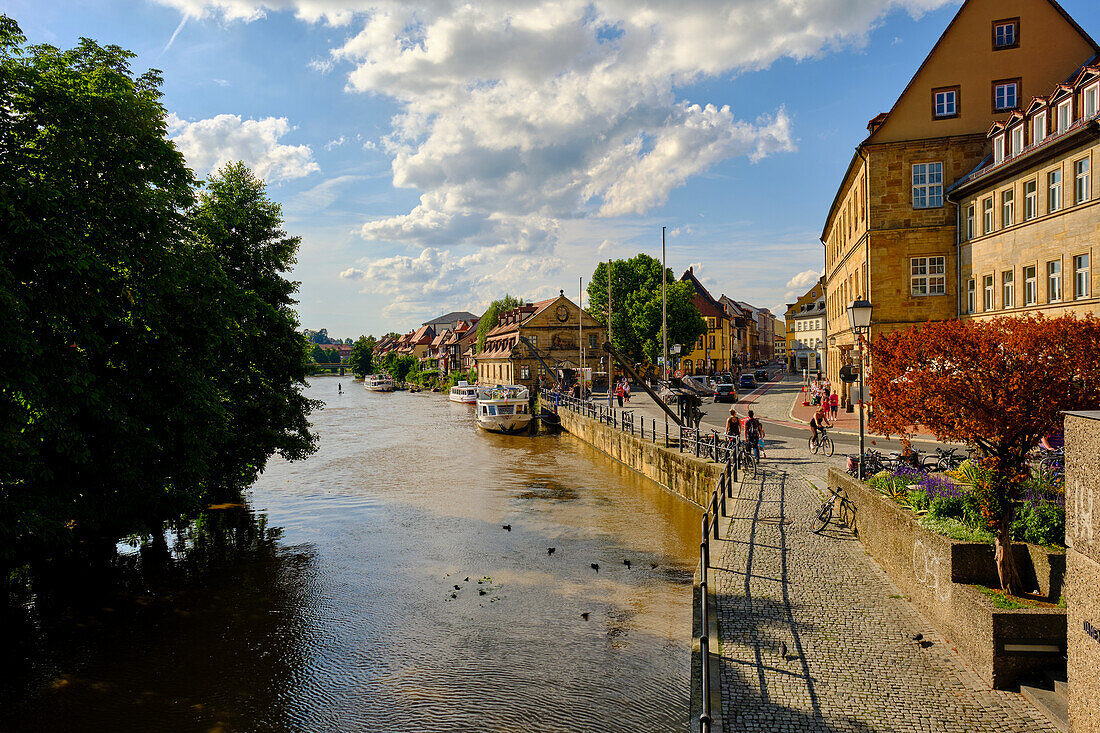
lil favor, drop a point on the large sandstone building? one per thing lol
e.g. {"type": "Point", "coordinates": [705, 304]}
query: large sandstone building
{"type": "Point", "coordinates": [892, 235]}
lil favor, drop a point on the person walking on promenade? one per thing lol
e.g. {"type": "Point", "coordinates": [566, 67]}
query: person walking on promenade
{"type": "Point", "coordinates": [626, 390]}
{"type": "Point", "coordinates": [733, 424]}
{"type": "Point", "coordinates": [754, 433]}
{"type": "Point", "coordinates": [834, 404]}
{"type": "Point", "coordinates": [619, 394]}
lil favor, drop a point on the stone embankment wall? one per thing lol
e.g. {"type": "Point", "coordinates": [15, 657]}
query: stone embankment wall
{"type": "Point", "coordinates": [1083, 569]}
{"type": "Point", "coordinates": [681, 473]}
{"type": "Point", "coordinates": [1004, 646]}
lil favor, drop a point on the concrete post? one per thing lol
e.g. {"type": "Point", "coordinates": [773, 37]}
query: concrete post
{"type": "Point", "coordinates": [1083, 569]}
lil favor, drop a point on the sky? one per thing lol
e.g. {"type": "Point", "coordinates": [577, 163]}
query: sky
{"type": "Point", "coordinates": [436, 154]}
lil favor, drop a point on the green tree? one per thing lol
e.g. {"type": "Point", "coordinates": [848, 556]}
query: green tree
{"type": "Point", "coordinates": [361, 359]}
{"type": "Point", "coordinates": [636, 307]}
{"type": "Point", "coordinates": [400, 366]}
{"type": "Point", "coordinates": [492, 316]}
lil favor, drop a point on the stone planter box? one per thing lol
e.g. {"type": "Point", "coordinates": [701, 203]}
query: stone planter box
{"type": "Point", "coordinates": [1004, 646]}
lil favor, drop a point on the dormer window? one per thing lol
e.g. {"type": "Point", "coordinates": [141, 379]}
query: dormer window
{"type": "Point", "coordinates": [998, 149]}
{"type": "Point", "coordinates": [1038, 128]}
{"type": "Point", "coordinates": [1091, 100]}
{"type": "Point", "coordinates": [1065, 115]}
{"type": "Point", "coordinates": [1006, 95]}
{"type": "Point", "coordinates": [1006, 34]}
{"type": "Point", "coordinates": [1017, 139]}
{"type": "Point", "coordinates": [945, 103]}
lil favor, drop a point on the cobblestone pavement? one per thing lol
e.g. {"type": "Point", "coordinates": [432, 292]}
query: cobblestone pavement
{"type": "Point", "coordinates": [851, 663]}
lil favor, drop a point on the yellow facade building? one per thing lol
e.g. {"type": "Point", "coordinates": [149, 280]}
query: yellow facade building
{"type": "Point", "coordinates": [890, 234]}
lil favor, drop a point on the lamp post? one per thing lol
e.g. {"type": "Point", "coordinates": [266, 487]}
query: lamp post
{"type": "Point", "coordinates": [859, 318]}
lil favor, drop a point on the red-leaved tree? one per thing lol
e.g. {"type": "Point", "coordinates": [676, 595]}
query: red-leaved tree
{"type": "Point", "coordinates": [1000, 385]}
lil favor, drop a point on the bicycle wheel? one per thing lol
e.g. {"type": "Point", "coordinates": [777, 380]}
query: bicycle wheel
{"type": "Point", "coordinates": [827, 445]}
{"type": "Point", "coordinates": [824, 516]}
{"type": "Point", "coordinates": [813, 445]}
{"type": "Point", "coordinates": [748, 463]}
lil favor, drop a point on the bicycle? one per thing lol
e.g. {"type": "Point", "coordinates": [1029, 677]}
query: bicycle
{"type": "Point", "coordinates": [746, 459]}
{"type": "Point", "coordinates": [846, 512]}
{"type": "Point", "coordinates": [822, 442]}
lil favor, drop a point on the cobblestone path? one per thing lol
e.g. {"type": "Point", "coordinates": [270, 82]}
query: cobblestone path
{"type": "Point", "coordinates": [851, 663]}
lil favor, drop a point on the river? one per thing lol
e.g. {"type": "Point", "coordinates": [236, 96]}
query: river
{"type": "Point", "coordinates": [337, 608]}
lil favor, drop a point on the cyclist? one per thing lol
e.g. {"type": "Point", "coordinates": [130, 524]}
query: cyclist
{"type": "Point", "coordinates": [754, 433]}
{"type": "Point", "coordinates": [818, 423]}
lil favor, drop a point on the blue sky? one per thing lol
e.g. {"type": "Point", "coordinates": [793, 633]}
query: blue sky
{"type": "Point", "coordinates": [435, 154]}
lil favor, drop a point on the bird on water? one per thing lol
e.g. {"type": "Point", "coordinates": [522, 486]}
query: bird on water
{"type": "Point", "coordinates": [506, 526]}
{"type": "Point", "coordinates": [595, 566]}
{"type": "Point", "coordinates": [550, 550]}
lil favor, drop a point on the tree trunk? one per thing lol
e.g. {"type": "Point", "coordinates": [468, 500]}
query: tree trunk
{"type": "Point", "coordinates": [1005, 558]}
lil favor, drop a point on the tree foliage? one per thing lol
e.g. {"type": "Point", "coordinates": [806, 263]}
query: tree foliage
{"type": "Point", "coordinates": [149, 352]}
{"type": "Point", "coordinates": [999, 384]}
{"type": "Point", "coordinates": [636, 307]}
{"type": "Point", "coordinates": [491, 317]}
{"type": "Point", "coordinates": [398, 366]}
{"type": "Point", "coordinates": [361, 359]}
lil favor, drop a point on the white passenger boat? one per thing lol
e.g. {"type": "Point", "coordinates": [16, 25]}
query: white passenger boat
{"type": "Point", "coordinates": [378, 383]}
{"type": "Point", "coordinates": [503, 409]}
{"type": "Point", "coordinates": [464, 393]}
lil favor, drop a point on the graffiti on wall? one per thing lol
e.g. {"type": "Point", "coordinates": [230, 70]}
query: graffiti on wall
{"type": "Point", "coordinates": [932, 570]}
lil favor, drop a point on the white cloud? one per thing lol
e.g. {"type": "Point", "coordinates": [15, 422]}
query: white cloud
{"type": "Point", "coordinates": [221, 82]}
{"type": "Point", "coordinates": [333, 144]}
{"type": "Point", "coordinates": [803, 280]}
{"type": "Point", "coordinates": [211, 143]}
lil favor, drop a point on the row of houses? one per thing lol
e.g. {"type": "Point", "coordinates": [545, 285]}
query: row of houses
{"type": "Point", "coordinates": [973, 197]}
{"type": "Point", "coordinates": [447, 343]}
{"type": "Point", "coordinates": [738, 334]}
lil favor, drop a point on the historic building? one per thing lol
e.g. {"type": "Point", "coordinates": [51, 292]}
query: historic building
{"type": "Point", "coordinates": [805, 321]}
{"type": "Point", "coordinates": [890, 234]}
{"type": "Point", "coordinates": [554, 326]}
{"type": "Point", "coordinates": [1029, 223]}
{"type": "Point", "coordinates": [713, 351]}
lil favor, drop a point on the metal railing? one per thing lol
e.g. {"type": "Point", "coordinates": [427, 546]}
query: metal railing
{"type": "Point", "coordinates": [714, 511]}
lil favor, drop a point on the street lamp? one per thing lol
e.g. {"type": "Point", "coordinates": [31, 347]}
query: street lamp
{"type": "Point", "coordinates": [859, 318]}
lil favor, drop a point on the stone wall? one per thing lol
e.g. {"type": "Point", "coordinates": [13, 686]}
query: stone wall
{"type": "Point", "coordinates": [1003, 646]}
{"type": "Point", "coordinates": [1083, 569]}
{"type": "Point", "coordinates": [681, 473]}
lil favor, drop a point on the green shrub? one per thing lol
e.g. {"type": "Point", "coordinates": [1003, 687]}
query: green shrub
{"type": "Point", "coordinates": [1040, 524]}
{"type": "Point", "coordinates": [946, 507]}
{"type": "Point", "coordinates": [919, 500]}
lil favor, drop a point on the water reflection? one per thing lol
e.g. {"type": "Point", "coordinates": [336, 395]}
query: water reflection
{"type": "Point", "coordinates": [350, 620]}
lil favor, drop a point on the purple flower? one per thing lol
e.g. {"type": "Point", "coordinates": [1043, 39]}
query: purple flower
{"type": "Point", "coordinates": [937, 486]}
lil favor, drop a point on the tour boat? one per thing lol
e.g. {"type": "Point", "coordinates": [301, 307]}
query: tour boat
{"type": "Point", "coordinates": [379, 383]}
{"type": "Point", "coordinates": [464, 393]}
{"type": "Point", "coordinates": [503, 409]}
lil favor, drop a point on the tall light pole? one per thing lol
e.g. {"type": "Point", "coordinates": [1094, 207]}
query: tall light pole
{"type": "Point", "coordinates": [664, 312]}
{"type": "Point", "coordinates": [859, 318]}
{"type": "Point", "coordinates": [580, 333]}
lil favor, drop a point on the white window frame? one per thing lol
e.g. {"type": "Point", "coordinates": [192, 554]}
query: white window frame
{"type": "Point", "coordinates": [988, 219]}
{"type": "Point", "coordinates": [1008, 207]}
{"type": "Point", "coordinates": [1008, 35]}
{"type": "Point", "coordinates": [1031, 286]}
{"type": "Point", "coordinates": [1017, 139]}
{"type": "Point", "coordinates": [971, 304]}
{"type": "Point", "coordinates": [945, 103]}
{"type": "Point", "coordinates": [928, 276]}
{"type": "Point", "coordinates": [987, 293]}
{"type": "Point", "coordinates": [927, 185]}
{"type": "Point", "coordinates": [1031, 199]}
{"type": "Point", "coordinates": [1008, 289]}
{"type": "Point", "coordinates": [1081, 181]}
{"type": "Point", "coordinates": [998, 149]}
{"type": "Point", "coordinates": [1065, 115]}
{"type": "Point", "coordinates": [1001, 96]}
{"type": "Point", "coordinates": [1090, 100]}
{"type": "Point", "coordinates": [1054, 190]}
{"type": "Point", "coordinates": [1039, 127]}
{"type": "Point", "coordinates": [970, 221]}
{"type": "Point", "coordinates": [1081, 276]}
{"type": "Point", "coordinates": [1054, 281]}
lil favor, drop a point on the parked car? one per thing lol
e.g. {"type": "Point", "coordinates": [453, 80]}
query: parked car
{"type": "Point", "coordinates": [725, 393]}
{"type": "Point", "coordinates": [746, 380]}
{"type": "Point", "coordinates": [761, 375]}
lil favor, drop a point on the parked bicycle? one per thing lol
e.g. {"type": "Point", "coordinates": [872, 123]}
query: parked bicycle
{"type": "Point", "coordinates": [821, 442]}
{"type": "Point", "coordinates": [845, 511]}
{"type": "Point", "coordinates": [746, 460]}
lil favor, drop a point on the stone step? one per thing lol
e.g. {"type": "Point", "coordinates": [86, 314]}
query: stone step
{"type": "Point", "coordinates": [1057, 678]}
{"type": "Point", "coordinates": [1051, 703]}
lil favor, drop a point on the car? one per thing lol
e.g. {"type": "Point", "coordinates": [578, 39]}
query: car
{"type": "Point", "coordinates": [759, 363]}
{"type": "Point", "coordinates": [725, 393]}
{"type": "Point", "coordinates": [761, 375]}
{"type": "Point", "coordinates": [746, 380]}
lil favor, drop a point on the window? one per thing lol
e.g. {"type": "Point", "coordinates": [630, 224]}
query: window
{"type": "Point", "coordinates": [710, 323]}
{"type": "Point", "coordinates": [1030, 287]}
{"type": "Point", "coordinates": [1030, 200]}
{"type": "Point", "coordinates": [927, 185]}
{"type": "Point", "coordinates": [535, 340]}
{"type": "Point", "coordinates": [1081, 181]}
{"type": "Point", "coordinates": [1081, 276]}
{"type": "Point", "coordinates": [1006, 34]}
{"type": "Point", "coordinates": [970, 306]}
{"type": "Point", "coordinates": [987, 282]}
{"type": "Point", "coordinates": [945, 102]}
{"type": "Point", "coordinates": [524, 372]}
{"type": "Point", "coordinates": [927, 275]}
{"type": "Point", "coordinates": [1008, 208]}
{"type": "Point", "coordinates": [593, 341]}
{"type": "Point", "coordinates": [1064, 115]}
{"type": "Point", "coordinates": [970, 221]}
{"type": "Point", "coordinates": [987, 215]}
{"type": "Point", "coordinates": [1038, 128]}
{"type": "Point", "coordinates": [1091, 100]}
{"type": "Point", "coordinates": [1006, 93]}
{"type": "Point", "coordinates": [1054, 281]}
{"type": "Point", "coordinates": [1017, 139]}
{"type": "Point", "coordinates": [1054, 191]}
{"type": "Point", "coordinates": [1008, 290]}
{"type": "Point", "coordinates": [998, 148]}
{"type": "Point", "coordinates": [712, 342]}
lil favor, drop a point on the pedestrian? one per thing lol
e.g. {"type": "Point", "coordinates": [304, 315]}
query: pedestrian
{"type": "Point", "coordinates": [834, 404]}
{"type": "Point", "coordinates": [626, 390]}
{"type": "Point", "coordinates": [619, 394]}
{"type": "Point", "coordinates": [733, 424]}
{"type": "Point", "coordinates": [754, 434]}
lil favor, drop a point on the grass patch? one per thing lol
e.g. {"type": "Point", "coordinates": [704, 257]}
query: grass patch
{"type": "Point", "coordinates": [955, 530]}
{"type": "Point", "coordinates": [1001, 600]}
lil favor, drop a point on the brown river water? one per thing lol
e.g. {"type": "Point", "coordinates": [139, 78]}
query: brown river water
{"type": "Point", "coordinates": [335, 607]}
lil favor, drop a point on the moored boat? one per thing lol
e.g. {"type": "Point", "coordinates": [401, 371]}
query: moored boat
{"type": "Point", "coordinates": [464, 393]}
{"type": "Point", "coordinates": [378, 383]}
{"type": "Point", "coordinates": [503, 409]}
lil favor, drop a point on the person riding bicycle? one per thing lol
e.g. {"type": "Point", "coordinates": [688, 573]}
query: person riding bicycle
{"type": "Point", "coordinates": [818, 422]}
{"type": "Point", "coordinates": [754, 433]}
{"type": "Point", "coordinates": [733, 424]}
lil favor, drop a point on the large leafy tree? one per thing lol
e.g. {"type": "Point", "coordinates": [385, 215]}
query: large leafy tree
{"type": "Point", "coordinates": [1000, 385]}
{"type": "Point", "coordinates": [636, 307]}
{"type": "Point", "coordinates": [361, 359]}
{"type": "Point", "coordinates": [491, 317]}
